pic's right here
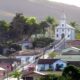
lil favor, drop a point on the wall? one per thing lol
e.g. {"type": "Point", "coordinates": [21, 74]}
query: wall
{"type": "Point", "coordinates": [26, 45]}
{"type": "Point", "coordinates": [6, 66]}
{"type": "Point", "coordinates": [46, 66]}
{"type": "Point", "coordinates": [25, 59]}
{"type": "Point", "coordinates": [42, 67]}
{"type": "Point", "coordinates": [59, 62]}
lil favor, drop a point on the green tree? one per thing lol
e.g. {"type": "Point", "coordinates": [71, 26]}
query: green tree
{"type": "Point", "coordinates": [16, 74]}
{"type": "Point", "coordinates": [77, 29]}
{"type": "Point", "coordinates": [43, 26]}
{"type": "Point", "coordinates": [52, 21]}
{"type": "Point", "coordinates": [31, 20]}
{"type": "Point", "coordinates": [33, 26]}
{"type": "Point", "coordinates": [73, 23]}
{"type": "Point", "coordinates": [72, 71]}
{"type": "Point", "coordinates": [17, 27]}
{"type": "Point", "coordinates": [4, 27]}
{"type": "Point", "coordinates": [52, 54]}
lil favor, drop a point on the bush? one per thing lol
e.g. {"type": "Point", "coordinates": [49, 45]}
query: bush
{"type": "Point", "coordinates": [1, 49]}
{"type": "Point", "coordinates": [64, 78]}
{"type": "Point", "coordinates": [15, 46]}
{"type": "Point", "coordinates": [42, 42]}
{"type": "Point", "coordinates": [49, 77]}
{"type": "Point", "coordinates": [49, 69]}
{"type": "Point", "coordinates": [72, 71]}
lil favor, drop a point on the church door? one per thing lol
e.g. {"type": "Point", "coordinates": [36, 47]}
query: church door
{"type": "Point", "coordinates": [62, 36]}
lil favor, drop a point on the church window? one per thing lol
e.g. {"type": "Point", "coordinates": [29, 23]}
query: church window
{"type": "Point", "coordinates": [68, 35]}
{"type": "Point", "coordinates": [62, 25]}
{"type": "Point", "coordinates": [62, 29]}
{"type": "Point", "coordinates": [57, 35]}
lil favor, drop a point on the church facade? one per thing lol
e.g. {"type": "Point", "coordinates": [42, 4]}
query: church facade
{"type": "Point", "coordinates": [64, 30]}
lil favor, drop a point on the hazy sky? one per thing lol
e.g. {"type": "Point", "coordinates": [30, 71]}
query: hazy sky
{"type": "Point", "coordinates": [70, 2]}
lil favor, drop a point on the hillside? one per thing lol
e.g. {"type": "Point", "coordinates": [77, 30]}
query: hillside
{"type": "Point", "coordinates": [38, 8]}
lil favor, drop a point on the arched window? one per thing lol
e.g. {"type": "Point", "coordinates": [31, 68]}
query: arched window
{"type": "Point", "coordinates": [68, 35]}
{"type": "Point", "coordinates": [62, 29]}
{"type": "Point", "coordinates": [57, 35]}
{"type": "Point", "coordinates": [62, 25]}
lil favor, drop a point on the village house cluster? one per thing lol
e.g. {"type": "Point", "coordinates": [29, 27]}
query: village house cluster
{"type": "Point", "coordinates": [34, 63]}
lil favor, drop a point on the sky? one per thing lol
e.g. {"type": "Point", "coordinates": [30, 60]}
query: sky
{"type": "Point", "coordinates": [70, 2]}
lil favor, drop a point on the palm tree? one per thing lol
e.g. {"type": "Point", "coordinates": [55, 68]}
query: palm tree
{"type": "Point", "coordinates": [52, 21]}
{"type": "Point", "coordinates": [33, 26]}
{"type": "Point", "coordinates": [43, 26]}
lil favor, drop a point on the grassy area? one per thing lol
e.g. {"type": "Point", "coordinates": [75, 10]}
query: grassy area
{"type": "Point", "coordinates": [78, 35]}
{"type": "Point", "coordinates": [57, 73]}
{"type": "Point", "coordinates": [78, 47]}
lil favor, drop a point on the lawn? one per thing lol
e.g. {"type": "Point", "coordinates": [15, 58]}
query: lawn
{"type": "Point", "coordinates": [58, 73]}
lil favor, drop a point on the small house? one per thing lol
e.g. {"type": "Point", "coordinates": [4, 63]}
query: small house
{"type": "Point", "coordinates": [9, 63]}
{"type": "Point", "coordinates": [50, 65]}
{"type": "Point", "coordinates": [26, 55]}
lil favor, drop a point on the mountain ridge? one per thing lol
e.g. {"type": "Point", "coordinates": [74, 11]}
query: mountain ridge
{"type": "Point", "coordinates": [39, 9]}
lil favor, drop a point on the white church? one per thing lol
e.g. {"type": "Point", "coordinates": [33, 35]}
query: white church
{"type": "Point", "coordinates": [64, 30]}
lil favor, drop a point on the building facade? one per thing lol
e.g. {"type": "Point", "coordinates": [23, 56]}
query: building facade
{"type": "Point", "coordinates": [64, 30]}
{"type": "Point", "coordinates": [50, 64]}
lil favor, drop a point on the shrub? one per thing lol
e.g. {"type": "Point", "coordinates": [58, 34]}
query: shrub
{"type": "Point", "coordinates": [72, 71]}
{"type": "Point", "coordinates": [49, 69]}
{"type": "Point", "coordinates": [15, 46]}
{"type": "Point", "coordinates": [42, 42]}
{"type": "Point", "coordinates": [64, 78]}
{"type": "Point", "coordinates": [49, 77]}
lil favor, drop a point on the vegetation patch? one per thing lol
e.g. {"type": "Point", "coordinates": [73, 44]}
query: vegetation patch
{"type": "Point", "coordinates": [42, 42]}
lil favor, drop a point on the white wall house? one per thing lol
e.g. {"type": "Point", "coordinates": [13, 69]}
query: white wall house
{"type": "Point", "coordinates": [26, 59]}
{"type": "Point", "coordinates": [53, 64]}
{"type": "Point", "coordinates": [64, 30]}
{"type": "Point", "coordinates": [26, 56]}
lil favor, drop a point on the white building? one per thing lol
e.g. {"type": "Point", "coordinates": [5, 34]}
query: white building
{"type": "Point", "coordinates": [64, 30]}
{"type": "Point", "coordinates": [26, 56]}
{"type": "Point", "coordinates": [52, 64]}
